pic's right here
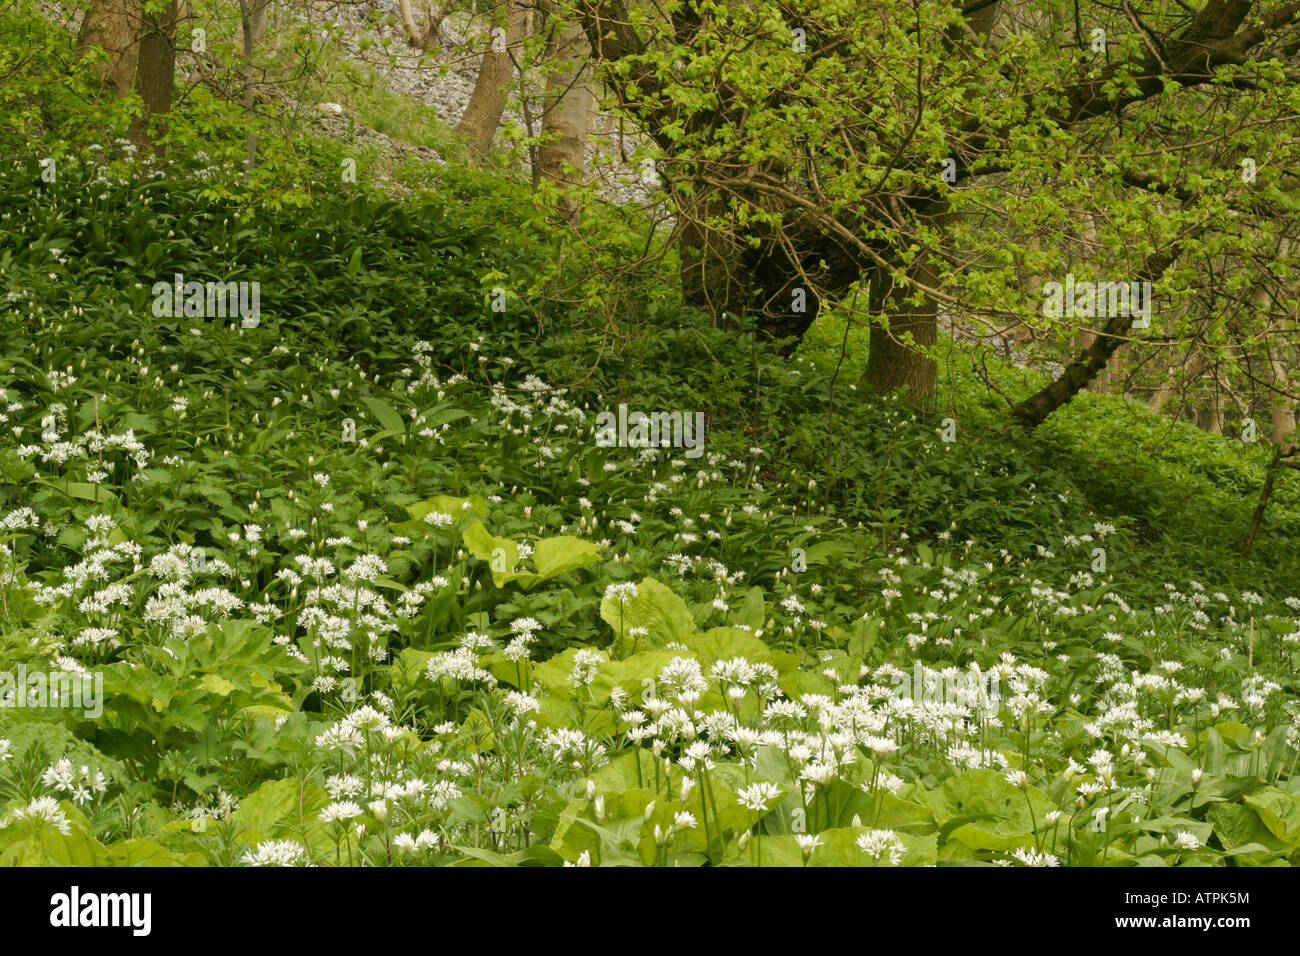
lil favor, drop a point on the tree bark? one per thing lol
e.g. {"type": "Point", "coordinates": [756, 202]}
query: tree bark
{"type": "Point", "coordinates": [155, 77]}
{"type": "Point", "coordinates": [249, 13]}
{"type": "Point", "coordinates": [893, 364]}
{"type": "Point", "coordinates": [1264, 494]}
{"type": "Point", "coordinates": [1283, 408]}
{"type": "Point", "coordinates": [113, 26]}
{"type": "Point", "coordinates": [1280, 458]}
{"type": "Point", "coordinates": [256, 15]}
{"type": "Point", "coordinates": [478, 124]}
{"type": "Point", "coordinates": [1214, 412]}
{"type": "Point", "coordinates": [1188, 374]}
{"type": "Point", "coordinates": [710, 265]}
{"type": "Point", "coordinates": [422, 37]}
{"type": "Point", "coordinates": [1281, 405]}
{"type": "Point", "coordinates": [561, 158]}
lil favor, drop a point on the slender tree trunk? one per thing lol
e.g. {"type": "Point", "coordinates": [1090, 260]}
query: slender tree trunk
{"type": "Point", "coordinates": [1178, 382]}
{"type": "Point", "coordinates": [155, 77]}
{"type": "Point", "coordinates": [1212, 420]}
{"type": "Point", "coordinates": [422, 37]}
{"type": "Point", "coordinates": [564, 120]}
{"type": "Point", "coordinates": [113, 26]}
{"type": "Point", "coordinates": [1281, 408]}
{"type": "Point", "coordinates": [419, 37]}
{"type": "Point", "coordinates": [1280, 458]}
{"type": "Point", "coordinates": [249, 12]}
{"type": "Point", "coordinates": [1264, 494]}
{"type": "Point", "coordinates": [478, 124]}
{"type": "Point", "coordinates": [255, 17]}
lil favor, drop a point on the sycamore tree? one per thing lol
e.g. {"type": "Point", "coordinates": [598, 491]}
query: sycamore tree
{"type": "Point", "coordinates": [904, 159]}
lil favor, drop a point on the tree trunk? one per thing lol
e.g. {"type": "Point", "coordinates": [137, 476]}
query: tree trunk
{"type": "Point", "coordinates": [419, 37]}
{"type": "Point", "coordinates": [478, 124]}
{"type": "Point", "coordinates": [710, 266]}
{"type": "Point", "coordinates": [1082, 340]}
{"type": "Point", "coordinates": [1210, 416]}
{"type": "Point", "coordinates": [1281, 407]}
{"type": "Point", "coordinates": [561, 157]}
{"type": "Point", "coordinates": [894, 364]}
{"type": "Point", "coordinates": [251, 12]}
{"type": "Point", "coordinates": [1034, 410]}
{"type": "Point", "coordinates": [422, 37]}
{"type": "Point", "coordinates": [1214, 417]}
{"type": "Point", "coordinates": [1264, 494]}
{"type": "Point", "coordinates": [256, 15]}
{"type": "Point", "coordinates": [1179, 380]}
{"type": "Point", "coordinates": [1280, 458]}
{"type": "Point", "coordinates": [113, 26]}
{"type": "Point", "coordinates": [155, 77]}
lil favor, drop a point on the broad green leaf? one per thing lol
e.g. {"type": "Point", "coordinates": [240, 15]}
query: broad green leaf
{"type": "Point", "coordinates": [653, 607]}
{"type": "Point", "coordinates": [147, 853]}
{"type": "Point", "coordinates": [216, 684]}
{"type": "Point", "coordinates": [502, 554]}
{"type": "Point", "coordinates": [446, 504]}
{"type": "Point", "coordinates": [839, 848]}
{"type": "Point", "coordinates": [1279, 811]}
{"type": "Point", "coordinates": [83, 490]}
{"type": "Point", "coordinates": [385, 414]}
{"type": "Point", "coordinates": [720, 643]}
{"type": "Point", "coordinates": [562, 554]}
{"type": "Point", "coordinates": [752, 611]}
{"type": "Point", "coordinates": [985, 812]}
{"type": "Point", "coordinates": [1244, 835]}
{"type": "Point", "coordinates": [281, 809]}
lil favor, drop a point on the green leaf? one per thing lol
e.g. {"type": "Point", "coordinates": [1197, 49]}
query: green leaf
{"type": "Point", "coordinates": [1279, 811]}
{"type": "Point", "coordinates": [985, 812]}
{"type": "Point", "coordinates": [216, 684]}
{"type": "Point", "coordinates": [385, 414]}
{"type": "Point", "coordinates": [1243, 834]}
{"type": "Point", "coordinates": [538, 856]}
{"type": "Point", "coordinates": [500, 553]}
{"type": "Point", "coordinates": [282, 809]}
{"type": "Point", "coordinates": [147, 853]}
{"type": "Point", "coordinates": [839, 848]}
{"type": "Point", "coordinates": [551, 556]}
{"type": "Point", "coordinates": [446, 504]}
{"type": "Point", "coordinates": [719, 643]}
{"type": "Point", "coordinates": [51, 848]}
{"type": "Point", "coordinates": [82, 489]}
{"type": "Point", "coordinates": [560, 555]}
{"type": "Point", "coordinates": [752, 611]}
{"type": "Point", "coordinates": [655, 608]}
{"type": "Point", "coordinates": [630, 673]}
{"type": "Point", "coordinates": [481, 855]}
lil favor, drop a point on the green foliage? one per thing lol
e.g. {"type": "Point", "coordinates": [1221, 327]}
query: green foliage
{"type": "Point", "coordinates": [463, 633]}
